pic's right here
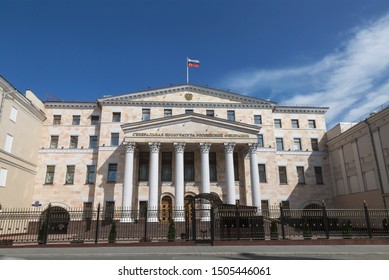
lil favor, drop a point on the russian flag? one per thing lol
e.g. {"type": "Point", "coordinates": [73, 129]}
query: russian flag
{"type": "Point", "coordinates": [193, 63]}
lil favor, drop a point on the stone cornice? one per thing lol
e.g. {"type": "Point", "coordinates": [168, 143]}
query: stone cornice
{"type": "Point", "coordinates": [68, 150]}
{"type": "Point", "coordinates": [71, 105]}
{"type": "Point", "coordinates": [300, 110]}
{"type": "Point", "coordinates": [303, 153]}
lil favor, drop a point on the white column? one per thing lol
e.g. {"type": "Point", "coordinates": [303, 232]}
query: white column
{"type": "Point", "coordinates": [230, 175]}
{"type": "Point", "coordinates": [205, 180]}
{"type": "Point", "coordinates": [128, 182]}
{"type": "Point", "coordinates": [179, 182]}
{"type": "Point", "coordinates": [254, 176]}
{"type": "Point", "coordinates": [153, 182]}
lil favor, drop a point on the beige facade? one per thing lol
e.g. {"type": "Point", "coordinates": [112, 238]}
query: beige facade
{"type": "Point", "coordinates": [21, 122]}
{"type": "Point", "coordinates": [360, 162]}
{"type": "Point", "coordinates": [132, 149]}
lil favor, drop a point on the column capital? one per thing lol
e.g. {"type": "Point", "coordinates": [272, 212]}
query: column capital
{"type": "Point", "coordinates": [229, 147]}
{"type": "Point", "coordinates": [253, 148]}
{"type": "Point", "coordinates": [154, 147]}
{"type": "Point", "coordinates": [180, 147]}
{"type": "Point", "coordinates": [130, 146]}
{"type": "Point", "coordinates": [205, 147]}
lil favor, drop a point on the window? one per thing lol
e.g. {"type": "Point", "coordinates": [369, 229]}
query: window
{"type": "Point", "coordinates": [166, 168]}
{"type": "Point", "coordinates": [116, 117]}
{"type": "Point", "coordinates": [265, 204]}
{"type": "Point", "coordinates": [236, 166]}
{"type": "Point", "coordinates": [280, 144]}
{"type": "Point", "coordinates": [69, 174]}
{"type": "Point", "coordinates": [167, 113]}
{"type": "Point", "coordinates": [87, 211]}
{"type": "Point", "coordinates": [145, 114]}
{"type": "Point", "coordinates": [282, 174]}
{"type": "Point", "coordinates": [300, 174]}
{"type": "Point", "coordinates": [257, 119]}
{"type": "Point", "coordinates": [112, 172]}
{"type": "Point", "coordinates": [90, 174]}
{"type": "Point", "coordinates": [277, 123]}
{"type": "Point", "coordinates": [285, 204]}
{"type": "Point", "coordinates": [73, 142]}
{"type": "Point", "coordinates": [188, 111]}
{"type": "Point", "coordinates": [93, 142]}
{"type": "Point", "coordinates": [314, 144]}
{"type": "Point", "coordinates": [262, 173]}
{"type": "Point", "coordinates": [231, 115]}
{"type": "Point", "coordinates": [189, 167]}
{"type": "Point", "coordinates": [54, 141]}
{"type": "Point", "coordinates": [109, 211]}
{"type": "Point", "coordinates": [3, 177]}
{"type": "Point", "coordinates": [295, 124]}
{"type": "Point", "coordinates": [319, 175]}
{"type": "Point", "coordinates": [57, 119]}
{"type": "Point", "coordinates": [76, 120]}
{"type": "Point", "coordinates": [50, 174]}
{"type": "Point", "coordinates": [212, 167]}
{"type": "Point", "coordinates": [144, 166]}
{"type": "Point", "coordinates": [114, 139]}
{"type": "Point", "coordinates": [94, 120]}
{"type": "Point", "coordinates": [14, 114]}
{"type": "Point", "coordinates": [311, 123]}
{"type": "Point", "coordinates": [8, 143]}
{"type": "Point", "coordinates": [210, 113]}
{"type": "Point", "coordinates": [260, 141]}
{"type": "Point", "coordinates": [297, 144]}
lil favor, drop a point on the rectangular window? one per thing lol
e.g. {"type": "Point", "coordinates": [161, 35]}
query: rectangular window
{"type": "Point", "coordinates": [112, 172]}
{"type": "Point", "coordinates": [3, 177]}
{"type": "Point", "coordinates": [295, 124]}
{"type": "Point", "coordinates": [297, 144]}
{"type": "Point", "coordinates": [49, 179]}
{"type": "Point", "coordinates": [166, 168]}
{"type": "Point", "coordinates": [116, 117]}
{"type": "Point", "coordinates": [236, 166]}
{"type": "Point", "coordinates": [144, 166]}
{"type": "Point", "coordinates": [210, 113]}
{"type": "Point", "coordinates": [277, 123]}
{"type": "Point", "coordinates": [114, 139]}
{"type": "Point", "coordinates": [90, 174]}
{"type": "Point", "coordinates": [94, 120]}
{"type": "Point", "coordinates": [257, 119]}
{"type": "Point", "coordinates": [231, 115]}
{"type": "Point", "coordinates": [300, 174]}
{"type": "Point", "coordinates": [319, 175]}
{"type": "Point", "coordinates": [189, 167]}
{"type": "Point", "coordinates": [76, 120]}
{"type": "Point", "coordinates": [70, 174]}
{"type": "Point", "coordinates": [311, 123]}
{"type": "Point", "coordinates": [73, 142]}
{"type": "Point", "coordinates": [212, 167]}
{"type": "Point", "coordinates": [265, 204]}
{"type": "Point", "coordinates": [167, 113]}
{"type": "Point", "coordinates": [14, 114]}
{"type": "Point", "coordinates": [260, 141]}
{"type": "Point", "coordinates": [109, 211]}
{"type": "Point", "coordinates": [188, 111]}
{"type": "Point", "coordinates": [280, 144]}
{"type": "Point", "coordinates": [93, 142]}
{"type": "Point", "coordinates": [145, 114]}
{"type": "Point", "coordinates": [314, 144]}
{"type": "Point", "coordinates": [87, 211]}
{"type": "Point", "coordinates": [285, 204]}
{"type": "Point", "coordinates": [57, 119]}
{"type": "Point", "coordinates": [282, 174]}
{"type": "Point", "coordinates": [54, 141]}
{"type": "Point", "coordinates": [8, 143]}
{"type": "Point", "coordinates": [262, 173]}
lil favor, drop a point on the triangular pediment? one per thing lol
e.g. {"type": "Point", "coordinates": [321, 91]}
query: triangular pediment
{"type": "Point", "coordinates": [184, 95]}
{"type": "Point", "coordinates": [191, 128]}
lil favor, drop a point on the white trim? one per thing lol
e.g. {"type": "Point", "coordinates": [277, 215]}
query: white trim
{"type": "Point", "coordinates": [13, 114]}
{"type": "Point", "coordinates": [3, 177]}
{"type": "Point", "coordinates": [8, 143]}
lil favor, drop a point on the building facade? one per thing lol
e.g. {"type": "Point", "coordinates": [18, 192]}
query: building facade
{"type": "Point", "coordinates": [359, 155]}
{"type": "Point", "coordinates": [157, 148]}
{"type": "Point", "coordinates": [21, 123]}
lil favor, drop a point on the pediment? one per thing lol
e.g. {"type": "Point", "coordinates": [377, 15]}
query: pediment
{"type": "Point", "coordinates": [191, 128]}
{"type": "Point", "coordinates": [185, 94]}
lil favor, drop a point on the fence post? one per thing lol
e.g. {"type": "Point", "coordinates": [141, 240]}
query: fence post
{"type": "Point", "coordinates": [237, 222]}
{"type": "Point", "coordinates": [44, 227]}
{"type": "Point", "coordinates": [367, 217]}
{"type": "Point", "coordinates": [282, 221]}
{"type": "Point", "coordinates": [325, 221]}
{"type": "Point", "coordinates": [145, 220]}
{"type": "Point", "coordinates": [212, 224]}
{"type": "Point", "coordinates": [97, 223]}
{"type": "Point", "coordinates": [193, 221]}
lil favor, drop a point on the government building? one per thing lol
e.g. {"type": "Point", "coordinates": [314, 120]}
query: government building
{"type": "Point", "coordinates": [157, 148]}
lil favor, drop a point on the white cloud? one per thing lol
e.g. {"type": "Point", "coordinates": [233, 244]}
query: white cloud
{"type": "Point", "coordinates": [351, 82]}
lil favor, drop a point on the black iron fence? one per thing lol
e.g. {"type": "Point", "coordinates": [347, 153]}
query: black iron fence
{"type": "Point", "coordinates": [226, 222]}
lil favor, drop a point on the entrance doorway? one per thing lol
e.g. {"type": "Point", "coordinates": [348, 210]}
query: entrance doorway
{"type": "Point", "coordinates": [166, 208]}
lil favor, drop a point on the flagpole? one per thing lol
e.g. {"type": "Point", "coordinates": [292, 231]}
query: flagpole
{"type": "Point", "coordinates": [187, 72]}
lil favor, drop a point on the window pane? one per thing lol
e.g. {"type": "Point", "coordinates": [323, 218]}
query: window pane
{"type": "Point", "coordinates": [277, 123]}
{"type": "Point", "coordinates": [295, 124]}
{"type": "Point", "coordinates": [3, 176]}
{"type": "Point", "coordinates": [210, 113]}
{"type": "Point", "coordinates": [319, 175]}
{"type": "Point", "coordinates": [282, 174]}
{"type": "Point", "coordinates": [13, 115]}
{"type": "Point", "coordinates": [50, 174]}
{"type": "Point", "coordinates": [297, 144]}
{"type": "Point", "coordinates": [168, 112]}
{"type": "Point", "coordinates": [300, 175]}
{"type": "Point", "coordinates": [116, 117]}
{"type": "Point", "coordinates": [231, 115]}
{"type": "Point", "coordinates": [145, 114]}
{"type": "Point", "coordinates": [93, 142]}
{"type": "Point", "coordinates": [188, 166]}
{"type": "Point", "coordinates": [54, 142]}
{"type": "Point", "coordinates": [262, 173]}
{"type": "Point", "coordinates": [188, 111]}
{"type": "Point", "coordinates": [280, 144]}
{"type": "Point", "coordinates": [212, 167]}
{"type": "Point", "coordinates": [166, 168]}
{"type": "Point", "coordinates": [94, 120]}
{"type": "Point", "coordinates": [57, 119]}
{"type": "Point", "coordinates": [73, 142]}
{"type": "Point", "coordinates": [144, 166]}
{"type": "Point", "coordinates": [314, 144]}
{"type": "Point", "coordinates": [236, 166]}
{"type": "Point", "coordinates": [260, 141]}
{"type": "Point", "coordinates": [114, 139]}
{"type": "Point", "coordinates": [112, 172]}
{"type": "Point", "coordinates": [90, 174]}
{"type": "Point", "coordinates": [312, 123]}
{"type": "Point", "coordinates": [257, 119]}
{"type": "Point", "coordinates": [69, 174]}
{"type": "Point", "coordinates": [76, 120]}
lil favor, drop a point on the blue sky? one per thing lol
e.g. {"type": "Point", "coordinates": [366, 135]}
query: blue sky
{"type": "Point", "coordinates": [302, 52]}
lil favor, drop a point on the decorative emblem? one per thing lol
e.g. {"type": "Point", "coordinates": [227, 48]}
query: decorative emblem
{"type": "Point", "coordinates": [189, 96]}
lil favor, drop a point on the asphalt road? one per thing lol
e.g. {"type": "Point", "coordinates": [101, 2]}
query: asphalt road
{"type": "Point", "coordinates": [319, 252]}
